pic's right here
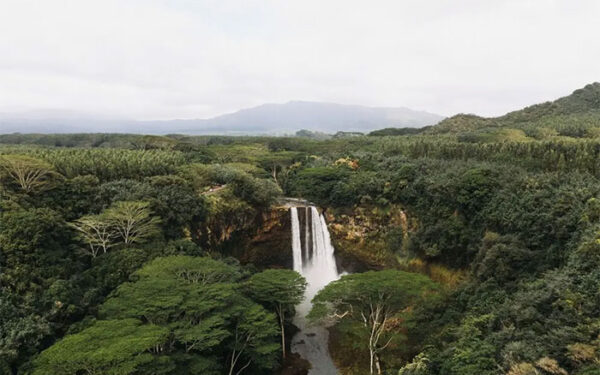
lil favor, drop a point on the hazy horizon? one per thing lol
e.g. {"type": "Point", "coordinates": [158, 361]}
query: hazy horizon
{"type": "Point", "coordinates": [284, 118]}
{"type": "Point", "coordinates": [51, 113]}
{"type": "Point", "coordinates": [161, 60]}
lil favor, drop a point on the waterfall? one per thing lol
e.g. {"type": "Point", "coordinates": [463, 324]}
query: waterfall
{"type": "Point", "coordinates": [306, 233]}
{"type": "Point", "coordinates": [296, 246]}
{"type": "Point", "coordinates": [316, 262]}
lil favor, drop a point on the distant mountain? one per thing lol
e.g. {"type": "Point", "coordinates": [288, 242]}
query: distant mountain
{"type": "Point", "coordinates": [265, 119]}
{"type": "Point", "coordinates": [323, 117]}
{"type": "Point", "coordinates": [571, 115]}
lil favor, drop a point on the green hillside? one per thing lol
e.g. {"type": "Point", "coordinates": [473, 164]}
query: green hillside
{"type": "Point", "coordinates": [576, 115]}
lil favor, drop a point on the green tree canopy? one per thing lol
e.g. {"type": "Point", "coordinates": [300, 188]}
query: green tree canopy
{"type": "Point", "coordinates": [34, 249]}
{"type": "Point", "coordinates": [31, 175]}
{"type": "Point", "coordinates": [20, 333]}
{"type": "Point", "coordinates": [111, 347]}
{"type": "Point", "coordinates": [97, 231]}
{"type": "Point", "coordinates": [371, 299]}
{"type": "Point", "coordinates": [133, 221]}
{"type": "Point", "coordinates": [202, 303]}
{"type": "Point", "coordinates": [279, 290]}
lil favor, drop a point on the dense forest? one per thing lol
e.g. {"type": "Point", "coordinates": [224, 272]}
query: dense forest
{"type": "Point", "coordinates": [477, 240]}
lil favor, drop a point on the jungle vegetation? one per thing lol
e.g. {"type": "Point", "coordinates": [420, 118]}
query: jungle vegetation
{"type": "Point", "coordinates": [116, 250]}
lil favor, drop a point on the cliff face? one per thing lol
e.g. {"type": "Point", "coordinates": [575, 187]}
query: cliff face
{"type": "Point", "coordinates": [364, 238]}
{"type": "Point", "coordinates": [370, 235]}
{"type": "Point", "coordinates": [376, 238]}
{"type": "Point", "coordinates": [269, 246]}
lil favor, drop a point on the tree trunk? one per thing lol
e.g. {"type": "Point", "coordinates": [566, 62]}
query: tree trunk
{"type": "Point", "coordinates": [232, 363]}
{"type": "Point", "coordinates": [377, 365]}
{"type": "Point", "coordinates": [281, 321]}
{"type": "Point", "coordinates": [372, 355]}
{"type": "Point", "coordinates": [274, 173]}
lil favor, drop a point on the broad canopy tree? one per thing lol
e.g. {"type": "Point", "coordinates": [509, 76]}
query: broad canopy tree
{"type": "Point", "coordinates": [30, 174]}
{"type": "Point", "coordinates": [133, 221]}
{"type": "Point", "coordinates": [371, 300]}
{"type": "Point", "coordinates": [279, 290]}
{"type": "Point", "coordinates": [108, 347]}
{"type": "Point", "coordinates": [97, 231]}
{"type": "Point", "coordinates": [252, 340]}
{"type": "Point", "coordinates": [128, 221]}
{"type": "Point", "coordinates": [278, 163]}
{"type": "Point", "coordinates": [181, 314]}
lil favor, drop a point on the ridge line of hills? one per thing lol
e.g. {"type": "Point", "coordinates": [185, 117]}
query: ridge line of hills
{"type": "Point", "coordinates": [266, 119]}
{"type": "Point", "coordinates": [575, 115]}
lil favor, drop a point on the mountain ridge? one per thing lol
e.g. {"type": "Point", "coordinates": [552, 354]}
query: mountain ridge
{"type": "Point", "coordinates": [317, 116]}
{"type": "Point", "coordinates": [268, 118]}
{"type": "Point", "coordinates": [579, 109]}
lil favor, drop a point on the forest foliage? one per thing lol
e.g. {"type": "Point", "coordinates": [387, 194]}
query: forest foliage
{"type": "Point", "coordinates": [115, 250]}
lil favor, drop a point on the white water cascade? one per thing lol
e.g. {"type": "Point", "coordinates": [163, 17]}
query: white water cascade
{"type": "Point", "coordinates": [316, 262]}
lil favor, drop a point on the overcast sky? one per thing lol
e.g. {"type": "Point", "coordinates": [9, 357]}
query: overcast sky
{"type": "Point", "coordinates": [151, 59]}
